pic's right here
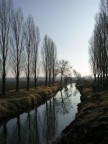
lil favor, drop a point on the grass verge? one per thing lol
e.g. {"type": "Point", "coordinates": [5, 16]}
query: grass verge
{"type": "Point", "coordinates": [17, 102]}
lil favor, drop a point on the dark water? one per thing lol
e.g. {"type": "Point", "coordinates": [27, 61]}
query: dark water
{"type": "Point", "coordinates": [43, 124]}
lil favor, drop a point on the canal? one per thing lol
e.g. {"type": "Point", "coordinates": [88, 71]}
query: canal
{"type": "Point", "coordinates": [44, 123]}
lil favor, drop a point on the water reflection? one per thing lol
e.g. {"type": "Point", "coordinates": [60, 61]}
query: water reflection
{"type": "Point", "coordinates": [63, 103]}
{"type": "Point", "coordinates": [75, 92]}
{"type": "Point", "coordinates": [44, 123]}
{"type": "Point", "coordinates": [50, 121]}
{"type": "Point", "coordinates": [3, 134]}
{"type": "Point", "coordinates": [16, 135]}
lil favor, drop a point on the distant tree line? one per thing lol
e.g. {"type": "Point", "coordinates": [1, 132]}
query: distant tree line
{"type": "Point", "coordinates": [98, 49]}
{"type": "Point", "coordinates": [19, 49]}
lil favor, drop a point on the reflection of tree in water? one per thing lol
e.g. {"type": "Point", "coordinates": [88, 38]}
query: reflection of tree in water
{"type": "Point", "coordinates": [75, 92]}
{"type": "Point", "coordinates": [5, 138]}
{"type": "Point", "coordinates": [3, 134]}
{"type": "Point", "coordinates": [26, 130]}
{"type": "Point", "coordinates": [63, 104]}
{"type": "Point", "coordinates": [50, 121]}
{"type": "Point", "coordinates": [67, 93]}
{"type": "Point", "coordinates": [22, 133]}
{"type": "Point", "coordinates": [16, 134]}
{"type": "Point", "coordinates": [36, 125]}
{"type": "Point", "coordinates": [71, 91]}
{"type": "Point", "coordinates": [71, 85]}
{"type": "Point", "coordinates": [30, 130]}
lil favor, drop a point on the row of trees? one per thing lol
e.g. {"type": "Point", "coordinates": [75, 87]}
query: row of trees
{"type": "Point", "coordinates": [19, 42]}
{"type": "Point", "coordinates": [98, 49]}
{"type": "Point", "coordinates": [19, 48]}
{"type": "Point", "coordinates": [49, 57]}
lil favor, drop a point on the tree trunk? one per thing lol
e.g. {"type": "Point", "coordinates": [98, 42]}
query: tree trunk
{"type": "Point", "coordinates": [106, 73]}
{"type": "Point", "coordinates": [95, 78]}
{"type": "Point", "coordinates": [3, 83]}
{"type": "Point", "coordinates": [61, 79]}
{"type": "Point", "coordinates": [46, 78]}
{"type": "Point", "coordinates": [103, 76]}
{"type": "Point", "coordinates": [3, 79]}
{"type": "Point", "coordinates": [49, 77]}
{"type": "Point", "coordinates": [28, 78]}
{"type": "Point", "coordinates": [35, 79]}
{"type": "Point", "coordinates": [98, 78]}
{"type": "Point", "coordinates": [53, 76]}
{"type": "Point", "coordinates": [28, 82]}
{"type": "Point", "coordinates": [17, 78]}
{"type": "Point", "coordinates": [17, 82]}
{"type": "Point", "coordinates": [17, 74]}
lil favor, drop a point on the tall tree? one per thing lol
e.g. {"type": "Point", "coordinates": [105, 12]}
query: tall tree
{"type": "Point", "coordinates": [17, 48]}
{"type": "Point", "coordinates": [28, 40]}
{"type": "Point", "coordinates": [49, 54]}
{"type": "Point", "coordinates": [99, 47]}
{"type": "Point", "coordinates": [92, 59]}
{"type": "Point", "coordinates": [35, 62]}
{"type": "Point", "coordinates": [44, 55]}
{"type": "Point", "coordinates": [54, 61]}
{"type": "Point", "coordinates": [5, 21]}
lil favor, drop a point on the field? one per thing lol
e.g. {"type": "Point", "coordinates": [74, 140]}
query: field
{"type": "Point", "coordinates": [11, 83]}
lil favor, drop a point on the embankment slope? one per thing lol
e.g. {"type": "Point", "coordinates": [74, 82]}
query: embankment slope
{"type": "Point", "coordinates": [91, 123]}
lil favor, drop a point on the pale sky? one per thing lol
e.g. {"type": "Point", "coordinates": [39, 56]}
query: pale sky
{"type": "Point", "coordinates": [69, 23]}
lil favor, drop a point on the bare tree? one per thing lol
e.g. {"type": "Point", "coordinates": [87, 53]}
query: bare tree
{"type": "Point", "coordinates": [76, 74]}
{"type": "Point", "coordinates": [35, 61]}
{"type": "Point", "coordinates": [92, 59]}
{"type": "Point", "coordinates": [17, 38]}
{"type": "Point", "coordinates": [99, 48]}
{"type": "Point", "coordinates": [28, 40]}
{"type": "Point", "coordinates": [64, 68]}
{"type": "Point", "coordinates": [50, 59]}
{"type": "Point", "coordinates": [54, 61]}
{"type": "Point", "coordinates": [5, 20]}
{"type": "Point", "coordinates": [49, 55]}
{"type": "Point", "coordinates": [44, 55]}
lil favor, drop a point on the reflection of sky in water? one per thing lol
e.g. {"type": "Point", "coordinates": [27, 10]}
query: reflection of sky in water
{"type": "Point", "coordinates": [71, 105]}
{"type": "Point", "coordinates": [45, 122]}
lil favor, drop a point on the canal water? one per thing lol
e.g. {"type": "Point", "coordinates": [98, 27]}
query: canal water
{"type": "Point", "coordinates": [45, 123]}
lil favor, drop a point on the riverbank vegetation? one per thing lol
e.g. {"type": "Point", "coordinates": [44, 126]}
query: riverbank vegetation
{"type": "Point", "coordinates": [16, 103]}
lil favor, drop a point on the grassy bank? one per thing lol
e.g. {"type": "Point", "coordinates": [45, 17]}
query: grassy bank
{"type": "Point", "coordinates": [17, 102]}
{"type": "Point", "coordinates": [91, 123]}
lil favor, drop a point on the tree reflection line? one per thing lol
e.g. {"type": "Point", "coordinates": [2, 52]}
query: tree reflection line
{"type": "Point", "coordinates": [28, 132]}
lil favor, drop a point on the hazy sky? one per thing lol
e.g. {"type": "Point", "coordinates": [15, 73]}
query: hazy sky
{"type": "Point", "coordinates": [69, 23]}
